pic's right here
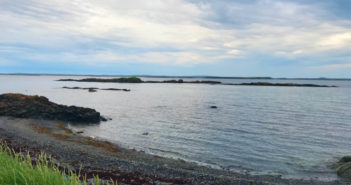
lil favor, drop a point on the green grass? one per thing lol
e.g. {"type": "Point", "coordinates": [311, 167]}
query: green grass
{"type": "Point", "coordinates": [16, 169]}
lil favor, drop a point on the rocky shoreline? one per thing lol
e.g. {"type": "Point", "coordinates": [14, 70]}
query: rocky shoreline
{"type": "Point", "coordinates": [39, 107]}
{"type": "Point", "coordinates": [127, 166]}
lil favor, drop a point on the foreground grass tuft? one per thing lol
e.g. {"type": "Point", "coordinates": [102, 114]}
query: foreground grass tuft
{"type": "Point", "coordinates": [16, 169]}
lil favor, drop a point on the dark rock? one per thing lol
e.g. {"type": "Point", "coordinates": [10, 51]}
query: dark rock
{"type": "Point", "coordinates": [105, 118]}
{"type": "Point", "coordinates": [102, 118]}
{"type": "Point", "coordinates": [114, 89]}
{"type": "Point", "coordinates": [113, 80]}
{"type": "Point", "coordinates": [173, 81]}
{"type": "Point", "coordinates": [345, 159]}
{"type": "Point", "coordinates": [39, 107]}
{"type": "Point", "coordinates": [205, 82]}
{"type": "Point", "coordinates": [343, 167]}
{"type": "Point", "coordinates": [92, 90]}
{"type": "Point", "coordinates": [71, 87]}
{"type": "Point", "coordinates": [181, 81]}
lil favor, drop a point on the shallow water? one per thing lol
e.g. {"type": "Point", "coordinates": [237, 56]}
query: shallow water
{"type": "Point", "coordinates": [291, 131]}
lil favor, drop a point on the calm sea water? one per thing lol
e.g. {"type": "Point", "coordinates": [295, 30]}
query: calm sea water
{"type": "Point", "coordinates": [291, 131]}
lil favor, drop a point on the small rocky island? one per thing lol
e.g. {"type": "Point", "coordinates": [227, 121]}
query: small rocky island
{"type": "Point", "coordinates": [107, 80]}
{"type": "Point", "coordinates": [94, 89]}
{"type": "Point", "coordinates": [180, 81]}
{"type": "Point", "coordinates": [39, 107]}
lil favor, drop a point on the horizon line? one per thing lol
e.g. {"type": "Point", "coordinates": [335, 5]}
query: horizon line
{"type": "Point", "coordinates": [181, 76]}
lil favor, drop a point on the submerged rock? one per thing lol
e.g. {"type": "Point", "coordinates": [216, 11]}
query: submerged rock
{"type": "Point", "coordinates": [92, 90]}
{"type": "Point", "coordinates": [39, 107]}
{"type": "Point", "coordinates": [343, 167]}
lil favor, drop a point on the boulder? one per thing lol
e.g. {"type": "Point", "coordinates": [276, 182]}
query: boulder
{"type": "Point", "coordinates": [92, 90]}
{"type": "Point", "coordinates": [39, 107]}
{"type": "Point", "coordinates": [343, 167]}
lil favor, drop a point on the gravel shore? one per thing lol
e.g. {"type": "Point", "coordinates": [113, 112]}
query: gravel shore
{"type": "Point", "coordinates": [110, 161]}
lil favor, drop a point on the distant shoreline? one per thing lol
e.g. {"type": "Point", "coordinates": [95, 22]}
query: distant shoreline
{"type": "Point", "coordinates": [181, 81]}
{"type": "Point", "coordinates": [162, 76]}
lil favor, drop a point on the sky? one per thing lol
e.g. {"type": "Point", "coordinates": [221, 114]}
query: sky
{"type": "Point", "coordinates": [277, 38]}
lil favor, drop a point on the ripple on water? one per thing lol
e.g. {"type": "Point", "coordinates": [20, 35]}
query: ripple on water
{"type": "Point", "coordinates": [294, 132]}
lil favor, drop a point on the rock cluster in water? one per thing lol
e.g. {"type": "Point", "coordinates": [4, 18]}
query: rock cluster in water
{"type": "Point", "coordinates": [94, 89]}
{"type": "Point", "coordinates": [39, 107]}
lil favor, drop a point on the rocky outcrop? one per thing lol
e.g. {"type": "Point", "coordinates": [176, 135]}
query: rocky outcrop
{"type": "Point", "coordinates": [343, 167]}
{"type": "Point", "coordinates": [39, 107]}
{"type": "Point", "coordinates": [94, 89]}
{"type": "Point", "coordinates": [107, 80]}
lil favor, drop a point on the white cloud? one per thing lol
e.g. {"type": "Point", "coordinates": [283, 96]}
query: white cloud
{"type": "Point", "coordinates": [234, 52]}
{"type": "Point", "coordinates": [108, 57]}
{"type": "Point", "coordinates": [282, 28]}
{"type": "Point", "coordinates": [339, 40]}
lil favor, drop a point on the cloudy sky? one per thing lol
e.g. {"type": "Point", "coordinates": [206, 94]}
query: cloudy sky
{"type": "Point", "coordinates": [279, 38]}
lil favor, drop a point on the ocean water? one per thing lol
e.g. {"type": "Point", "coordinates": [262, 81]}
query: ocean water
{"type": "Point", "coordinates": [296, 132]}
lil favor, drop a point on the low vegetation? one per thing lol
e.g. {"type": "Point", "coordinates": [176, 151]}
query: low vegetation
{"type": "Point", "coordinates": [24, 170]}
